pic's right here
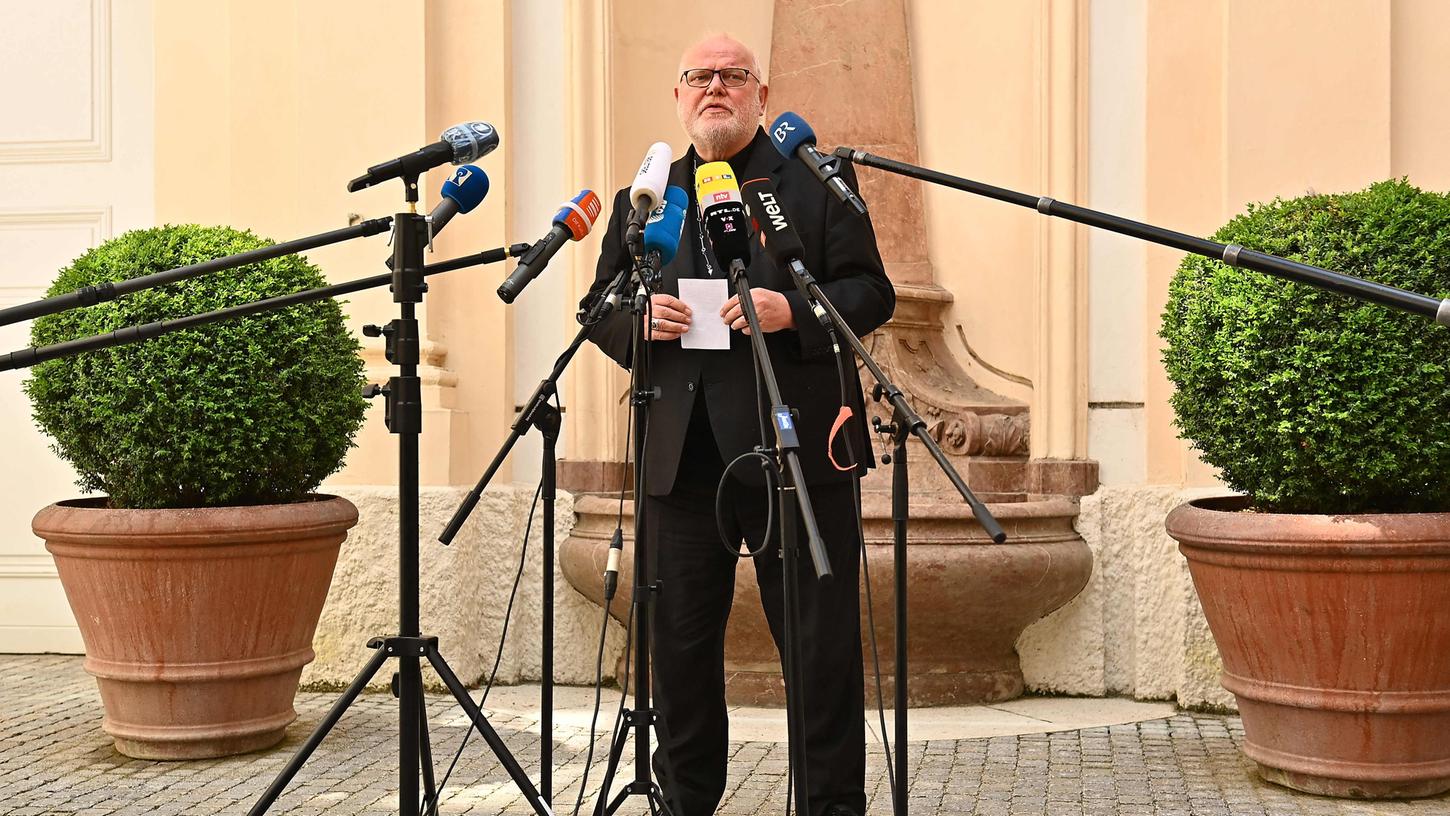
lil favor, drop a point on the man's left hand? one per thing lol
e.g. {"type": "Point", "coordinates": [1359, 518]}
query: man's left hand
{"type": "Point", "coordinates": [771, 308]}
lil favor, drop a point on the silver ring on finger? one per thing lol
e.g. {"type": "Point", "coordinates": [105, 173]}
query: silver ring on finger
{"type": "Point", "coordinates": [654, 324]}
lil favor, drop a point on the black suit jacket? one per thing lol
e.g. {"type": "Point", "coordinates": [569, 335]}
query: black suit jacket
{"type": "Point", "coordinates": [840, 251]}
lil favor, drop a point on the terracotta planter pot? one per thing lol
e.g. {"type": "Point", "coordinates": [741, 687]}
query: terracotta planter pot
{"type": "Point", "coordinates": [969, 599]}
{"type": "Point", "coordinates": [1335, 636]}
{"type": "Point", "coordinates": [197, 623]}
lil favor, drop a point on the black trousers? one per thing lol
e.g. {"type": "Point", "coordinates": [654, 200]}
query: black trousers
{"type": "Point", "coordinates": [697, 579]}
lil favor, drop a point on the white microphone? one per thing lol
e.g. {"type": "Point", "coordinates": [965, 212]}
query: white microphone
{"type": "Point", "coordinates": [648, 190]}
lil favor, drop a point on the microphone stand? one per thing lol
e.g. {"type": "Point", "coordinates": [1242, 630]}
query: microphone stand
{"type": "Point", "coordinates": [539, 413]}
{"type": "Point", "coordinates": [641, 717]}
{"type": "Point", "coordinates": [404, 417]}
{"type": "Point", "coordinates": [905, 422]}
{"type": "Point", "coordinates": [1231, 254]}
{"type": "Point", "coordinates": [791, 490]}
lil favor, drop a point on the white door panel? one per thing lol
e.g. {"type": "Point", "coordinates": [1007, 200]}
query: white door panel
{"type": "Point", "coordinates": [76, 163]}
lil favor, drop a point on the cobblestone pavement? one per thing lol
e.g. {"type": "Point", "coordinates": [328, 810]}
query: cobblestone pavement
{"type": "Point", "coordinates": [54, 759]}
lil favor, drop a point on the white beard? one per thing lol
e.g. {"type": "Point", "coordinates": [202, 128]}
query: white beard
{"type": "Point", "coordinates": [718, 137]}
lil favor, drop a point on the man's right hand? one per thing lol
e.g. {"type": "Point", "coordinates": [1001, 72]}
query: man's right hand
{"type": "Point", "coordinates": [668, 319]}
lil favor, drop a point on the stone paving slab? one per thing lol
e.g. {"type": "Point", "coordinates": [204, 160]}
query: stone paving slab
{"type": "Point", "coordinates": [54, 759]}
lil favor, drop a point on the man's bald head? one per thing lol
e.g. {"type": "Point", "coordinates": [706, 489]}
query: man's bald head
{"type": "Point", "coordinates": [720, 120]}
{"type": "Point", "coordinates": [720, 45]}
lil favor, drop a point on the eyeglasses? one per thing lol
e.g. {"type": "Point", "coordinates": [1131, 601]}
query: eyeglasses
{"type": "Point", "coordinates": [702, 77]}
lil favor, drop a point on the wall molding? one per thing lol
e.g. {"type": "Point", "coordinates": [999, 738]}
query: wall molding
{"type": "Point", "coordinates": [97, 218]}
{"type": "Point", "coordinates": [97, 146]}
{"type": "Point", "coordinates": [26, 565]}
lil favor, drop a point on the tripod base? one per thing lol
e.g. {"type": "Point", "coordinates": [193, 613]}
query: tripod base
{"type": "Point", "coordinates": [650, 792]}
{"type": "Point", "coordinates": [411, 650]}
{"type": "Point", "coordinates": [641, 786]}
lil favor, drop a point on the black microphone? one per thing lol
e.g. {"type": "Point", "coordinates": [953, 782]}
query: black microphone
{"type": "Point", "coordinates": [459, 144]}
{"type": "Point", "coordinates": [718, 194]}
{"type": "Point", "coordinates": [794, 139]}
{"type": "Point", "coordinates": [768, 219]}
{"type": "Point", "coordinates": [572, 222]}
{"type": "Point", "coordinates": [779, 238]}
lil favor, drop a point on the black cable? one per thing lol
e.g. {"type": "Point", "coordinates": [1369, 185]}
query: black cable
{"type": "Point", "coordinates": [623, 696]}
{"type": "Point", "coordinates": [498, 657]}
{"type": "Point", "coordinates": [842, 353]}
{"type": "Point", "coordinates": [598, 694]}
{"type": "Point", "coordinates": [771, 475]}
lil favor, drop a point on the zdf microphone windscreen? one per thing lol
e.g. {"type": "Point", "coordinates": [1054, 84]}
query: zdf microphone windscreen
{"type": "Point", "coordinates": [662, 231]}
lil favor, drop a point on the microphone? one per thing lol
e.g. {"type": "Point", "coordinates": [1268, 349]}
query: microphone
{"type": "Point", "coordinates": [722, 213]}
{"type": "Point", "coordinates": [649, 186]}
{"type": "Point", "coordinates": [459, 144]}
{"type": "Point", "coordinates": [794, 139]}
{"type": "Point", "coordinates": [463, 191]}
{"type": "Point", "coordinates": [781, 243]}
{"type": "Point", "coordinates": [662, 231]}
{"type": "Point", "coordinates": [571, 223]}
{"type": "Point", "coordinates": [768, 219]}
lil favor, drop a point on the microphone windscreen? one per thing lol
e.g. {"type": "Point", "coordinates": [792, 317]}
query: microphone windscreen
{"type": "Point", "coordinates": [653, 175]}
{"type": "Point", "coordinates": [579, 214]}
{"type": "Point", "coordinates": [768, 218]}
{"type": "Point", "coordinates": [718, 194]}
{"type": "Point", "coordinates": [470, 140]}
{"type": "Point", "coordinates": [468, 185]}
{"type": "Point", "coordinates": [788, 132]}
{"type": "Point", "coordinates": [715, 184]}
{"type": "Point", "coordinates": [662, 231]}
{"type": "Point", "coordinates": [677, 196]}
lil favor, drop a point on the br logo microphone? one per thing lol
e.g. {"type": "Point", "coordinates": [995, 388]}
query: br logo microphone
{"type": "Point", "coordinates": [794, 139]}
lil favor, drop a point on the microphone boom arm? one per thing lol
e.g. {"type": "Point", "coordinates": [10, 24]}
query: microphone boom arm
{"type": "Point", "coordinates": [25, 358]}
{"type": "Point", "coordinates": [914, 424]}
{"type": "Point", "coordinates": [90, 295]}
{"type": "Point", "coordinates": [1231, 254]}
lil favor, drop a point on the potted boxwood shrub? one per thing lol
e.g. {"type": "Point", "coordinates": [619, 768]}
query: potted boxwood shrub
{"type": "Point", "coordinates": [198, 577]}
{"type": "Point", "coordinates": [1327, 584]}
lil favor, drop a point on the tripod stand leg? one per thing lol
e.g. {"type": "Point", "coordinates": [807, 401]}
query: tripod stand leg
{"type": "Point", "coordinates": [618, 802]}
{"type": "Point", "coordinates": [320, 733]}
{"type": "Point", "coordinates": [425, 759]}
{"type": "Point", "coordinates": [615, 752]}
{"type": "Point", "coordinates": [465, 700]}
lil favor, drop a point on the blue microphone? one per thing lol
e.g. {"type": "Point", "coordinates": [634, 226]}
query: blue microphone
{"type": "Point", "coordinates": [662, 230]}
{"type": "Point", "coordinates": [794, 139]}
{"type": "Point", "coordinates": [464, 190]}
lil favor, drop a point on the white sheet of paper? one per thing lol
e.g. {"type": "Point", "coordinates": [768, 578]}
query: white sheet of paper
{"type": "Point", "coordinates": [705, 296]}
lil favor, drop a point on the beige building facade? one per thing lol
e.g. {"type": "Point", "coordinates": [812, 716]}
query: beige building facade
{"type": "Point", "coordinates": [255, 114]}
